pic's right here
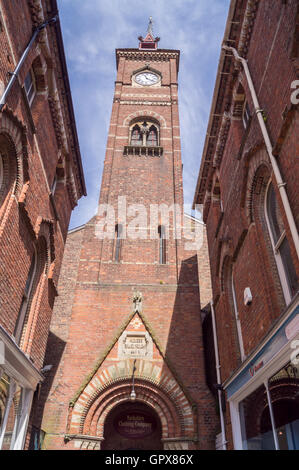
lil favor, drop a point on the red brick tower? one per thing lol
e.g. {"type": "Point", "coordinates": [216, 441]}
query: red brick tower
{"type": "Point", "coordinates": [129, 308]}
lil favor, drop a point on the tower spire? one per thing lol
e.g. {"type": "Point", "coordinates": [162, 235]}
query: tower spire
{"type": "Point", "coordinates": [150, 26]}
{"type": "Point", "coordinates": [149, 42]}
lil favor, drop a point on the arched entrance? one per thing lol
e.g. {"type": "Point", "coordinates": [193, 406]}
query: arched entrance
{"type": "Point", "coordinates": [132, 426]}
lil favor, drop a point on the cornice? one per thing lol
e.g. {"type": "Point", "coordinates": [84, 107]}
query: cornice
{"type": "Point", "coordinates": [160, 55]}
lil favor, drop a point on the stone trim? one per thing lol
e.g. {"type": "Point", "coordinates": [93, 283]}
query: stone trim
{"type": "Point", "coordinates": [102, 358]}
{"type": "Point", "coordinates": [223, 133]}
{"type": "Point", "coordinates": [141, 55]}
{"type": "Point", "coordinates": [247, 26]}
{"type": "Point", "coordinates": [145, 113]}
{"type": "Point", "coordinates": [140, 103]}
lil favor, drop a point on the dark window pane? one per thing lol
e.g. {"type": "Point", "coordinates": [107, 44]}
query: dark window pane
{"type": "Point", "coordinates": [29, 86]}
{"type": "Point", "coordinates": [29, 277]}
{"type": "Point", "coordinates": [255, 421]}
{"type": "Point", "coordinates": [162, 245]}
{"type": "Point", "coordinates": [118, 232]}
{"type": "Point", "coordinates": [136, 138]}
{"type": "Point", "coordinates": [152, 139]}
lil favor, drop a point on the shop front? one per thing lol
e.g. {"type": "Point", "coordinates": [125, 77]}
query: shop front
{"type": "Point", "coordinates": [264, 395]}
{"type": "Point", "coordinates": [18, 381]}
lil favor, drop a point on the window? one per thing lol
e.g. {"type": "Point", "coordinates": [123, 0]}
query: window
{"type": "Point", "coordinates": [136, 137]}
{"type": "Point", "coordinates": [29, 86]}
{"type": "Point", "coordinates": [152, 138]}
{"type": "Point", "coordinates": [246, 115]}
{"type": "Point", "coordinates": [54, 184]}
{"type": "Point", "coordinates": [286, 270]}
{"type": "Point", "coordinates": [1, 172]}
{"type": "Point", "coordinates": [117, 242]}
{"type": "Point", "coordinates": [26, 298]}
{"type": "Point", "coordinates": [162, 244]}
{"type": "Point", "coordinates": [15, 403]}
{"type": "Point", "coordinates": [144, 133]}
{"type": "Point", "coordinates": [269, 416]}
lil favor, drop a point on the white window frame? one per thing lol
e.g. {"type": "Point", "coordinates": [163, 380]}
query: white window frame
{"type": "Point", "coordinates": [277, 255]}
{"type": "Point", "coordinates": [21, 419]}
{"type": "Point", "coordinates": [262, 377]}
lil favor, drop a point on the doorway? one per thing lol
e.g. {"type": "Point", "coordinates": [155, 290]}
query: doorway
{"type": "Point", "coordinates": [132, 426]}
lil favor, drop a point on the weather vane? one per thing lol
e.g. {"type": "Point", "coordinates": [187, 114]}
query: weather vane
{"type": "Point", "coordinates": [150, 26]}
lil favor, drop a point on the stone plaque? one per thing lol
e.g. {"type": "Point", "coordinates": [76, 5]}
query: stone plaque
{"type": "Point", "coordinates": [135, 345]}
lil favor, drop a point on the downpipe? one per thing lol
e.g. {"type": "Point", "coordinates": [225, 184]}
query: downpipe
{"type": "Point", "coordinates": [219, 385]}
{"type": "Point", "coordinates": [15, 73]}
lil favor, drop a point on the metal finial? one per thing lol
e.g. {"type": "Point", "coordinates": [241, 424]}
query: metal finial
{"type": "Point", "coordinates": [150, 26]}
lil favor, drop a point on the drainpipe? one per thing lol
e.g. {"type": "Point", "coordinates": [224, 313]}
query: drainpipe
{"type": "Point", "coordinates": [220, 391]}
{"type": "Point", "coordinates": [280, 183]}
{"type": "Point", "coordinates": [22, 59]}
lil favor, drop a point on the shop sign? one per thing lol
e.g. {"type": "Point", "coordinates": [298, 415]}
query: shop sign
{"type": "Point", "coordinates": [286, 332]}
{"type": "Point", "coordinates": [134, 424]}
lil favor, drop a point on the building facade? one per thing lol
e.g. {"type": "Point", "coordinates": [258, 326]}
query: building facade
{"type": "Point", "coordinates": [126, 341]}
{"type": "Point", "coordinates": [41, 180]}
{"type": "Point", "coordinates": [248, 186]}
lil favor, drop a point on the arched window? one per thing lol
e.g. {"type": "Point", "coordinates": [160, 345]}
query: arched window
{"type": "Point", "coordinates": [37, 271]}
{"type": "Point", "coordinates": [144, 133]}
{"type": "Point", "coordinates": [162, 244]}
{"type": "Point", "coordinates": [8, 168]}
{"type": "Point", "coordinates": [30, 87]}
{"type": "Point", "coordinates": [26, 298]}
{"type": "Point", "coordinates": [53, 186]}
{"type": "Point", "coordinates": [281, 248]}
{"type": "Point", "coordinates": [117, 242]}
{"type": "Point", "coordinates": [246, 115]}
{"type": "Point", "coordinates": [136, 137]}
{"type": "Point", "coordinates": [152, 137]}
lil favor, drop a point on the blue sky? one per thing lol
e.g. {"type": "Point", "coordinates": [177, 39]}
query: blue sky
{"type": "Point", "coordinates": [93, 29]}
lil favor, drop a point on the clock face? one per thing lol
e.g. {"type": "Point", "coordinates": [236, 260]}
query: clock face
{"type": "Point", "coordinates": [146, 78]}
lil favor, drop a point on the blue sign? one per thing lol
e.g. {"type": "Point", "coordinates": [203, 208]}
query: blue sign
{"type": "Point", "coordinates": [273, 346]}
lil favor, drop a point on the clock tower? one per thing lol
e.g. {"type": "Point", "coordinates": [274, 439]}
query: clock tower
{"type": "Point", "coordinates": [126, 335]}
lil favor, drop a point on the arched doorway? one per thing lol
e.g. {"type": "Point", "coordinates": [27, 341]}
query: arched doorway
{"type": "Point", "coordinates": [132, 426]}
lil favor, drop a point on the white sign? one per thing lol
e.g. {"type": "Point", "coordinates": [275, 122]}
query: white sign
{"type": "Point", "coordinates": [135, 345]}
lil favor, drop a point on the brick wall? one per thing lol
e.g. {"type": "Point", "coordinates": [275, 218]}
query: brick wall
{"type": "Point", "coordinates": [96, 291]}
{"type": "Point", "coordinates": [31, 151]}
{"type": "Point", "coordinates": [239, 236]}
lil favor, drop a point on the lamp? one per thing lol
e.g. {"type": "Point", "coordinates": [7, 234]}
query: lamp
{"type": "Point", "coordinates": [133, 393]}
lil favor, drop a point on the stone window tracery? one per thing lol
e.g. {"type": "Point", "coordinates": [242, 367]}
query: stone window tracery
{"type": "Point", "coordinates": [144, 133]}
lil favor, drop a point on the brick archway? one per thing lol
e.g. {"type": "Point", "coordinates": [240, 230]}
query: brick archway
{"type": "Point", "coordinates": [111, 387]}
{"type": "Point", "coordinates": [171, 419]}
{"type": "Point", "coordinates": [147, 113]}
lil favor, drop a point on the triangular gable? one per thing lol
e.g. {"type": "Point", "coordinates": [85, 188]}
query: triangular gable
{"type": "Point", "coordinates": [134, 340]}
